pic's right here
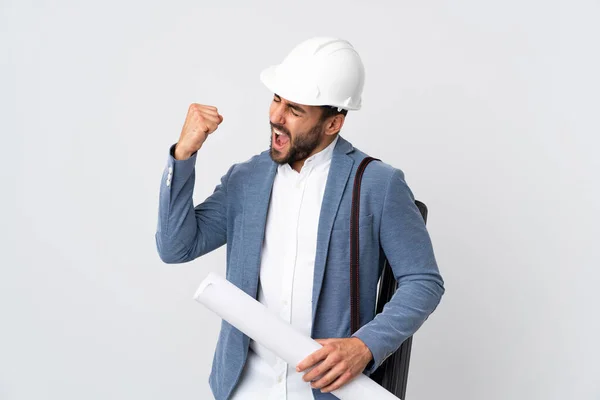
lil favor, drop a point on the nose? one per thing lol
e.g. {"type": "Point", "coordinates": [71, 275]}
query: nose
{"type": "Point", "coordinates": [276, 113]}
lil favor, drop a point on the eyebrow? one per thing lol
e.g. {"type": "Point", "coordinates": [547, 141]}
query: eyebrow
{"type": "Point", "coordinates": [293, 106]}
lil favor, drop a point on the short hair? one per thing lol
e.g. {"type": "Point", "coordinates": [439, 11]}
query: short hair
{"type": "Point", "coordinates": [329, 111]}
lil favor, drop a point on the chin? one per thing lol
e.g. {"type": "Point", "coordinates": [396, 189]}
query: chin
{"type": "Point", "coordinates": [277, 156]}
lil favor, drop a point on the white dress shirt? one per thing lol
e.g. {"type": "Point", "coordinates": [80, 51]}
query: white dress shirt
{"type": "Point", "coordinates": [286, 275]}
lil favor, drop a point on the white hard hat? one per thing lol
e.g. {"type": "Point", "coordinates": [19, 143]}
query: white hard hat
{"type": "Point", "coordinates": [320, 71]}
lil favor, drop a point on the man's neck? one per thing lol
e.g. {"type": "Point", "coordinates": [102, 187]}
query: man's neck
{"type": "Point", "coordinates": [298, 164]}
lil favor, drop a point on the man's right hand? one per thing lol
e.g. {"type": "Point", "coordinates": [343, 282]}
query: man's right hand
{"type": "Point", "coordinates": [200, 122]}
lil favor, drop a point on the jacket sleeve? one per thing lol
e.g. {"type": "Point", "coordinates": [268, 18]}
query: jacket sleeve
{"type": "Point", "coordinates": [407, 246]}
{"type": "Point", "coordinates": [185, 232]}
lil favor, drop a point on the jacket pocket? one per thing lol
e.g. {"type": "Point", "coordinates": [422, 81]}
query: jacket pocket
{"type": "Point", "coordinates": [343, 224]}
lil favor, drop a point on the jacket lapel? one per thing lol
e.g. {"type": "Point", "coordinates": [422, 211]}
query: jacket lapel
{"type": "Point", "coordinates": [337, 179]}
{"type": "Point", "coordinates": [257, 194]}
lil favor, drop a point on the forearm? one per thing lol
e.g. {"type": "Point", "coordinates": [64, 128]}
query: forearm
{"type": "Point", "coordinates": [186, 232]}
{"type": "Point", "coordinates": [412, 303]}
{"type": "Point", "coordinates": [177, 226]}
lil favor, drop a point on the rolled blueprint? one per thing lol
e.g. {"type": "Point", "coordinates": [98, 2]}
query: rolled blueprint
{"type": "Point", "coordinates": [254, 319]}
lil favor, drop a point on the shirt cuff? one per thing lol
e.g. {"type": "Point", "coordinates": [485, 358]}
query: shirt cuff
{"type": "Point", "coordinates": [376, 351]}
{"type": "Point", "coordinates": [180, 169]}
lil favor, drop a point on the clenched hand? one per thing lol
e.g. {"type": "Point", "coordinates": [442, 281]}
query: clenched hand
{"type": "Point", "coordinates": [200, 122]}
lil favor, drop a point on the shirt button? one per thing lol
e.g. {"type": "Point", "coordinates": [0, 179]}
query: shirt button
{"type": "Point", "coordinates": [170, 170]}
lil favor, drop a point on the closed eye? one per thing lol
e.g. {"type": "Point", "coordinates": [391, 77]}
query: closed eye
{"type": "Point", "coordinates": [294, 109]}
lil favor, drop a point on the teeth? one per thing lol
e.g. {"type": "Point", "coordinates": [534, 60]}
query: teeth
{"type": "Point", "coordinates": [277, 132]}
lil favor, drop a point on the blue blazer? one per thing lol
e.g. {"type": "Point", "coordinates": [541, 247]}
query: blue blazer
{"type": "Point", "coordinates": [235, 214]}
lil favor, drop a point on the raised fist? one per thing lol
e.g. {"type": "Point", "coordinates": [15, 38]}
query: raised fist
{"type": "Point", "coordinates": [200, 122]}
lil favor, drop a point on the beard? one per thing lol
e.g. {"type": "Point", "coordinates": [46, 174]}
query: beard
{"type": "Point", "coordinates": [301, 145]}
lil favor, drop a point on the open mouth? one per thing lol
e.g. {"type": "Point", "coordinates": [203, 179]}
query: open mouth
{"type": "Point", "coordinates": [280, 139]}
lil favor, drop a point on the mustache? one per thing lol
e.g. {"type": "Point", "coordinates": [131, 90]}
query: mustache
{"type": "Point", "coordinates": [280, 128]}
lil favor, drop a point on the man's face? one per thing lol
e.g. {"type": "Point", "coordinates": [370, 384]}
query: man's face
{"type": "Point", "coordinates": [296, 130]}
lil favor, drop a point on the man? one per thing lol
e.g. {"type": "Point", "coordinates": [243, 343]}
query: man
{"type": "Point", "coordinates": [285, 214]}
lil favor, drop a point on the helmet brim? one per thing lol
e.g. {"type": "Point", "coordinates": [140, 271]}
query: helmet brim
{"type": "Point", "coordinates": [302, 92]}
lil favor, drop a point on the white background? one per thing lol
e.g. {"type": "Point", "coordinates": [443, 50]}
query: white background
{"type": "Point", "coordinates": [490, 108]}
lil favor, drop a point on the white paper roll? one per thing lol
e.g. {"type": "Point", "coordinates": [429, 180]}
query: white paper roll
{"type": "Point", "coordinates": [255, 320]}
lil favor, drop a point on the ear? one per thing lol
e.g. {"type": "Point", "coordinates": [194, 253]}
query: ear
{"type": "Point", "coordinates": [334, 124]}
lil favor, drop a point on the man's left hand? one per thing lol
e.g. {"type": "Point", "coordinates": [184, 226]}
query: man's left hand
{"type": "Point", "coordinates": [339, 361]}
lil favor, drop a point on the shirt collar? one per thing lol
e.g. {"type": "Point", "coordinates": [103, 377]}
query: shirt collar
{"type": "Point", "coordinates": [323, 156]}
